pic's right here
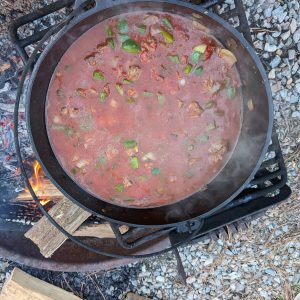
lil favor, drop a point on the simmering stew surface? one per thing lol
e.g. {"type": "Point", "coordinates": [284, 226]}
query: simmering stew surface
{"type": "Point", "coordinates": [144, 109]}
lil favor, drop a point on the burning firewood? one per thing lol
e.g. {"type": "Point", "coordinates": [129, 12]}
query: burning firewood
{"type": "Point", "coordinates": [70, 216]}
{"type": "Point", "coordinates": [41, 185]}
{"type": "Point", "coordinates": [47, 237]}
{"type": "Point", "coordinates": [67, 214]}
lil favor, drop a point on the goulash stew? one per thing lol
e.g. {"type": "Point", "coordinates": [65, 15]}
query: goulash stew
{"type": "Point", "coordinates": [144, 109]}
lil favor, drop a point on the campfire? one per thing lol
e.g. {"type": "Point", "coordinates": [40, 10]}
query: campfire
{"type": "Point", "coordinates": [41, 185]}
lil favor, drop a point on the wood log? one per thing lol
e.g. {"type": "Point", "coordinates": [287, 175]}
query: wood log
{"type": "Point", "coordinates": [47, 191]}
{"type": "Point", "coordinates": [100, 231]}
{"type": "Point", "coordinates": [23, 286]}
{"type": "Point", "coordinates": [47, 237]}
{"type": "Point", "coordinates": [132, 296]}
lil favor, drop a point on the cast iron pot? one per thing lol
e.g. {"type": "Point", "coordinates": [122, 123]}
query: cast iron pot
{"type": "Point", "coordinates": [237, 173]}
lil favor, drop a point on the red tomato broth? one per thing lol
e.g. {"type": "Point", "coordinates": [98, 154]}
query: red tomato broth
{"type": "Point", "coordinates": [189, 130]}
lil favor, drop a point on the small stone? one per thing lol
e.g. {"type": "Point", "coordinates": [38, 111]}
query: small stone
{"type": "Point", "coordinates": [190, 280]}
{"type": "Point", "coordinates": [270, 48]}
{"type": "Point", "coordinates": [269, 39]}
{"type": "Point", "coordinates": [298, 47]}
{"type": "Point", "coordinates": [239, 288]}
{"type": "Point", "coordinates": [283, 94]}
{"type": "Point", "coordinates": [279, 13]}
{"type": "Point", "coordinates": [275, 62]}
{"type": "Point", "coordinates": [297, 87]}
{"type": "Point", "coordinates": [258, 45]}
{"type": "Point", "coordinates": [268, 12]}
{"type": "Point", "coordinates": [294, 99]}
{"type": "Point", "coordinates": [290, 80]}
{"type": "Point", "coordinates": [270, 272]}
{"type": "Point", "coordinates": [291, 54]}
{"type": "Point", "coordinates": [160, 279]}
{"type": "Point", "coordinates": [276, 34]}
{"type": "Point", "coordinates": [261, 35]}
{"type": "Point", "coordinates": [264, 294]}
{"type": "Point", "coordinates": [208, 261]}
{"type": "Point", "coordinates": [296, 36]}
{"type": "Point", "coordinates": [266, 55]}
{"type": "Point", "coordinates": [293, 26]}
{"type": "Point", "coordinates": [279, 52]}
{"type": "Point", "coordinates": [285, 35]}
{"type": "Point", "coordinates": [289, 42]}
{"type": "Point", "coordinates": [272, 74]}
{"type": "Point", "coordinates": [296, 114]}
{"type": "Point", "coordinates": [285, 26]}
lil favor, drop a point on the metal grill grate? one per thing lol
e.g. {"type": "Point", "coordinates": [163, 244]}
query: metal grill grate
{"type": "Point", "coordinates": [267, 188]}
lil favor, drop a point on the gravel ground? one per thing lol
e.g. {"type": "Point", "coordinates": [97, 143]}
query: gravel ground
{"type": "Point", "coordinates": [260, 263]}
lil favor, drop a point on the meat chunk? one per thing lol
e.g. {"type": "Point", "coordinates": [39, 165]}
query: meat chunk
{"type": "Point", "coordinates": [145, 56]}
{"type": "Point", "coordinates": [102, 46]}
{"type": "Point", "coordinates": [180, 103]}
{"type": "Point", "coordinates": [132, 93]}
{"type": "Point", "coordinates": [194, 109]}
{"type": "Point", "coordinates": [106, 89]}
{"type": "Point", "coordinates": [156, 76]}
{"type": "Point", "coordinates": [134, 73]}
{"type": "Point", "coordinates": [93, 59]}
{"type": "Point", "coordinates": [211, 86]}
{"type": "Point", "coordinates": [194, 160]}
{"type": "Point", "coordinates": [126, 181]}
{"type": "Point", "coordinates": [217, 150]}
{"type": "Point", "coordinates": [149, 43]}
{"type": "Point", "coordinates": [151, 20]}
{"type": "Point", "coordinates": [111, 152]}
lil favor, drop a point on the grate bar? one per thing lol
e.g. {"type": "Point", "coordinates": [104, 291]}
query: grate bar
{"type": "Point", "coordinates": [270, 162]}
{"type": "Point", "coordinates": [266, 177]}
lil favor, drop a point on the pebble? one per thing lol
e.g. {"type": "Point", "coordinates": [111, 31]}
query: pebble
{"type": "Point", "coordinates": [270, 48]}
{"type": "Point", "coordinates": [272, 74]}
{"type": "Point", "coordinates": [190, 280]}
{"type": "Point", "coordinates": [297, 87]}
{"type": "Point", "coordinates": [268, 12]}
{"type": "Point", "coordinates": [258, 45]}
{"type": "Point", "coordinates": [286, 35]}
{"type": "Point", "coordinates": [294, 99]}
{"type": "Point", "coordinates": [160, 279]}
{"type": "Point", "coordinates": [296, 114]}
{"type": "Point", "coordinates": [291, 54]}
{"type": "Point", "coordinates": [275, 62]}
{"type": "Point", "coordinates": [271, 272]}
{"type": "Point", "coordinates": [296, 36]}
{"type": "Point", "coordinates": [279, 13]}
{"type": "Point", "coordinates": [261, 35]}
{"type": "Point", "coordinates": [239, 288]}
{"type": "Point", "coordinates": [293, 26]}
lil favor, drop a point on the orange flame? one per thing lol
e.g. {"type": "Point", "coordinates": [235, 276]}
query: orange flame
{"type": "Point", "coordinates": [44, 201]}
{"type": "Point", "coordinates": [36, 181]}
